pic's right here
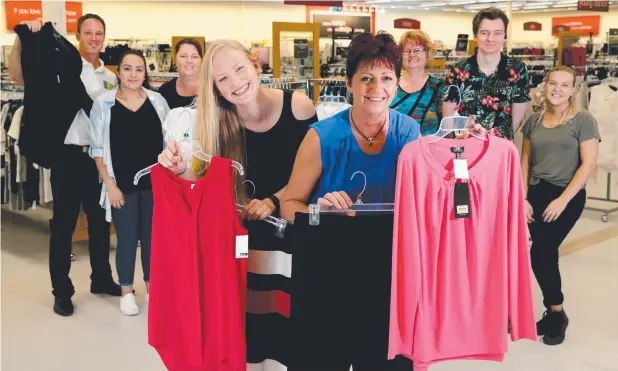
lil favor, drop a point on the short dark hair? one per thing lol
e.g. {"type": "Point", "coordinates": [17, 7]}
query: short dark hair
{"type": "Point", "coordinates": [190, 41]}
{"type": "Point", "coordinates": [85, 17]}
{"type": "Point", "coordinates": [369, 49]}
{"type": "Point", "coordinates": [146, 83]}
{"type": "Point", "coordinates": [491, 14]}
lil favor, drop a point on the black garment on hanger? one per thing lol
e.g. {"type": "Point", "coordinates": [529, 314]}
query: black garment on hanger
{"type": "Point", "coordinates": [341, 277]}
{"type": "Point", "coordinates": [53, 94]}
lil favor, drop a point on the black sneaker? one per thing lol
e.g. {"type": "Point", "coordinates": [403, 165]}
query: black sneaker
{"type": "Point", "coordinates": [111, 288]}
{"type": "Point", "coordinates": [541, 326]}
{"type": "Point", "coordinates": [555, 330]}
{"type": "Point", "coordinates": [63, 307]}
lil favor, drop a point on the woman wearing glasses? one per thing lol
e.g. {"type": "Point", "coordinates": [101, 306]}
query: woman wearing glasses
{"type": "Point", "coordinates": [418, 92]}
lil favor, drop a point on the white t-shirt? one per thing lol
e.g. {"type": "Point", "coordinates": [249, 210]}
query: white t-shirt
{"type": "Point", "coordinates": [96, 82]}
{"type": "Point", "coordinates": [180, 126]}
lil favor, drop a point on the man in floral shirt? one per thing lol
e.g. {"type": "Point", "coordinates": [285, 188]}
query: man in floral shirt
{"type": "Point", "coordinates": [493, 87]}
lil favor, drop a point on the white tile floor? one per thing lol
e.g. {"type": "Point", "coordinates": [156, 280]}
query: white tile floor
{"type": "Point", "coordinates": [99, 338]}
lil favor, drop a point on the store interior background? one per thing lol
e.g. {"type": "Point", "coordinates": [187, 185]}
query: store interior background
{"type": "Point", "coordinates": [249, 21]}
{"type": "Point", "coordinates": [29, 327]}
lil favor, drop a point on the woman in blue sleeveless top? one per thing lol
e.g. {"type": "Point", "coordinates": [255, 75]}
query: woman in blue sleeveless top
{"type": "Point", "coordinates": [367, 137]}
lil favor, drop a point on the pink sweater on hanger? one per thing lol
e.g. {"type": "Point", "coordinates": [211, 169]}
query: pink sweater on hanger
{"type": "Point", "coordinates": [457, 282]}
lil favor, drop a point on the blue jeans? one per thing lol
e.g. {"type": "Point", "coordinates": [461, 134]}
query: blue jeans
{"type": "Point", "coordinates": [133, 223]}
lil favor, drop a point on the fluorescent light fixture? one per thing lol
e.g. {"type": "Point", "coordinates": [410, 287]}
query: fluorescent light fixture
{"type": "Point", "coordinates": [564, 5]}
{"type": "Point", "coordinates": [534, 5]}
{"type": "Point", "coordinates": [433, 4]}
{"type": "Point", "coordinates": [465, 2]}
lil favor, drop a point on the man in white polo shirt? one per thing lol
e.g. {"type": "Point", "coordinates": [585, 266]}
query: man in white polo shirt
{"type": "Point", "coordinates": [74, 175]}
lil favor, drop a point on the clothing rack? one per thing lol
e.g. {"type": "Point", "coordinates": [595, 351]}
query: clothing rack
{"type": "Point", "coordinates": [607, 198]}
{"type": "Point", "coordinates": [319, 84]}
{"type": "Point", "coordinates": [288, 83]}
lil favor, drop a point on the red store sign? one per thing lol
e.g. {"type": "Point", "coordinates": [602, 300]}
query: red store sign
{"type": "Point", "coordinates": [408, 24]}
{"type": "Point", "coordinates": [595, 6]}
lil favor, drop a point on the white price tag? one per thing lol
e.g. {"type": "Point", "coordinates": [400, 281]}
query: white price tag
{"type": "Point", "coordinates": [461, 168]}
{"type": "Point", "coordinates": [242, 247]}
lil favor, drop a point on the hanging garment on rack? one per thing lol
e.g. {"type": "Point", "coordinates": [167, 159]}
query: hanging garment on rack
{"type": "Point", "coordinates": [54, 92]}
{"type": "Point", "coordinates": [581, 95]}
{"type": "Point", "coordinates": [464, 277]}
{"type": "Point", "coordinates": [603, 106]}
{"type": "Point", "coordinates": [341, 290]}
{"type": "Point", "coordinates": [333, 99]}
{"type": "Point", "coordinates": [196, 309]}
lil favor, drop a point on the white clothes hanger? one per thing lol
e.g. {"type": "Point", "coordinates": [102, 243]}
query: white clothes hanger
{"type": "Point", "coordinates": [279, 223]}
{"type": "Point", "coordinates": [196, 152]}
{"type": "Point", "coordinates": [456, 124]}
{"type": "Point", "coordinates": [357, 208]}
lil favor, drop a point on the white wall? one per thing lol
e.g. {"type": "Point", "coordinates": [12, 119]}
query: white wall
{"type": "Point", "coordinates": [252, 21]}
{"type": "Point", "coordinates": [439, 25]}
{"type": "Point", "coordinates": [160, 20]}
{"type": "Point", "coordinates": [445, 26]}
{"type": "Point", "coordinates": [608, 20]}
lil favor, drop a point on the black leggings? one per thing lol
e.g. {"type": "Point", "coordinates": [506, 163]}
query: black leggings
{"type": "Point", "coordinates": [547, 237]}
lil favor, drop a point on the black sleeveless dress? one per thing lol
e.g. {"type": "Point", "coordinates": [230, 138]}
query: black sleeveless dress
{"type": "Point", "coordinates": [269, 163]}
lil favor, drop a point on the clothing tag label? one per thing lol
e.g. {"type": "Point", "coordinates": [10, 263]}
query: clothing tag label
{"type": "Point", "coordinates": [242, 247]}
{"type": "Point", "coordinates": [461, 168]}
{"type": "Point", "coordinates": [462, 200]}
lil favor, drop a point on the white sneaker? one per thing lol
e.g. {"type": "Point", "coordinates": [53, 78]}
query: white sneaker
{"type": "Point", "coordinates": [128, 305]}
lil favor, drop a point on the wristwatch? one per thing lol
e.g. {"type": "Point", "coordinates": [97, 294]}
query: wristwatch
{"type": "Point", "coordinates": [275, 201]}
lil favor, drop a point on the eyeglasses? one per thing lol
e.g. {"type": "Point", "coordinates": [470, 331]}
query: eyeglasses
{"type": "Point", "coordinates": [418, 50]}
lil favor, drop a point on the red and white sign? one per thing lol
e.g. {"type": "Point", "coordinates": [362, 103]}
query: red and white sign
{"type": "Point", "coordinates": [583, 24]}
{"type": "Point", "coordinates": [407, 23]}
{"type": "Point", "coordinates": [73, 12]}
{"type": "Point", "coordinates": [594, 6]}
{"type": "Point", "coordinates": [20, 11]}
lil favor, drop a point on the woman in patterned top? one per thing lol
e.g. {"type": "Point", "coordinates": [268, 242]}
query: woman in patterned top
{"type": "Point", "coordinates": [418, 92]}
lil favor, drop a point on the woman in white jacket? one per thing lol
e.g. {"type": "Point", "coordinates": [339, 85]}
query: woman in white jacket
{"type": "Point", "coordinates": [126, 136]}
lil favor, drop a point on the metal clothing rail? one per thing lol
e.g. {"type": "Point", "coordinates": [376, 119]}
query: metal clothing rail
{"type": "Point", "coordinates": [607, 198]}
{"type": "Point", "coordinates": [285, 83]}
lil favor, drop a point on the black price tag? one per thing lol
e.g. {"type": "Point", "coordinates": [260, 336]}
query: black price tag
{"type": "Point", "coordinates": [462, 200]}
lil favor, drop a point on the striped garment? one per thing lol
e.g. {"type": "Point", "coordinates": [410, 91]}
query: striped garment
{"type": "Point", "coordinates": [269, 284]}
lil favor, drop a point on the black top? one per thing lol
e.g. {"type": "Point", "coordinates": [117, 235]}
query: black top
{"type": "Point", "coordinates": [53, 92]}
{"type": "Point", "coordinates": [271, 154]}
{"type": "Point", "coordinates": [174, 100]}
{"type": "Point", "coordinates": [135, 143]}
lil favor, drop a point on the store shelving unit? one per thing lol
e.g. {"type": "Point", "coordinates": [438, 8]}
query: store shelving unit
{"type": "Point", "coordinates": [301, 63]}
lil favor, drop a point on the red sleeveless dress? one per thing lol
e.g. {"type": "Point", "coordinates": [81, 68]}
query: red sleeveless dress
{"type": "Point", "coordinates": [196, 309]}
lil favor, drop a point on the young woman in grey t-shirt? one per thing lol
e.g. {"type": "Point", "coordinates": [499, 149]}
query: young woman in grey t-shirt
{"type": "Point", "coordinates": [559, 154]}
